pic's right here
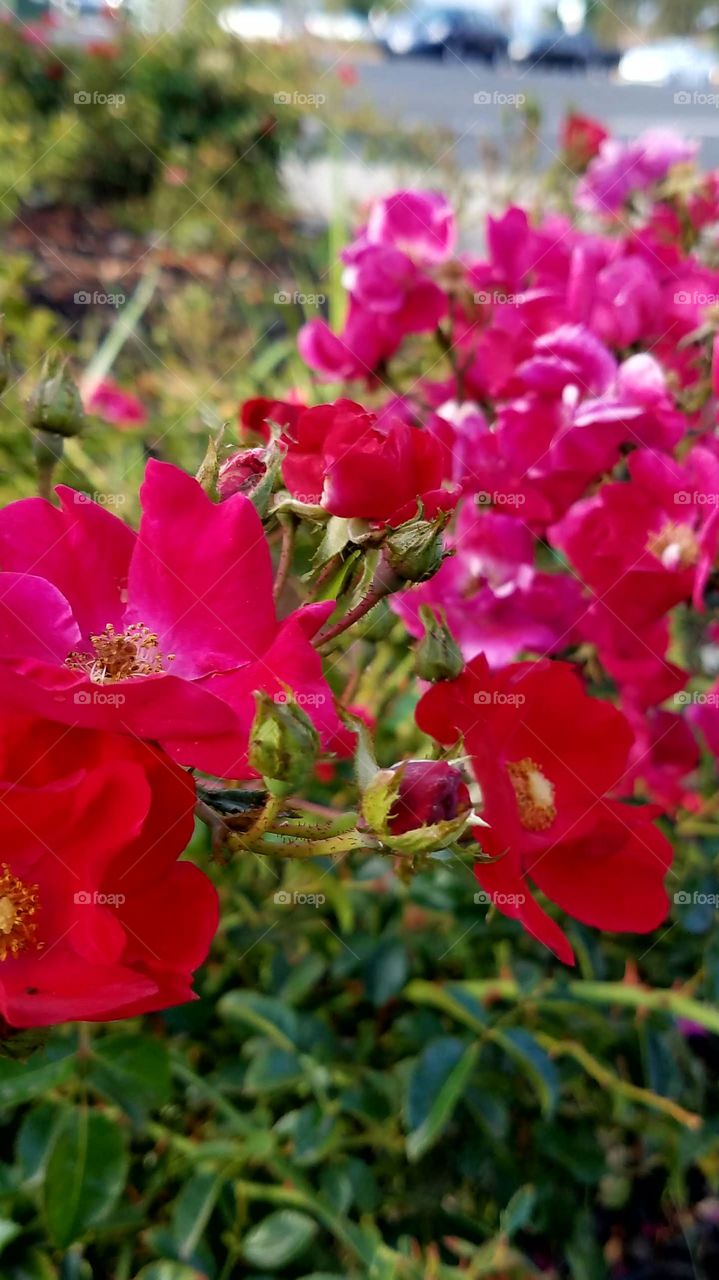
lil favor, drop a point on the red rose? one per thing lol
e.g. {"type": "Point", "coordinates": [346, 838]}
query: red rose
{"type": "Point", "coordinates": [355, 465]}
{"type": "Point", "coordinates": [98, 919]}
{"type": "Point", "coordinates": [549, 761]}
{"type": "Point", "coordinates": [581, 137]}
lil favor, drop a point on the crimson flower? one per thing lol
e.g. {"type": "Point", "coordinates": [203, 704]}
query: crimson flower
{"type": "Point", "coordinates": [581, 137]}
{"type": "Point", "coordinates": [98, 919]}
{"type": "Point", "coordinates": [549, 760]}
{"type": "Point", "coordinates": [354, 465]}
{"type": "Point", "coordinates": [164, 634]}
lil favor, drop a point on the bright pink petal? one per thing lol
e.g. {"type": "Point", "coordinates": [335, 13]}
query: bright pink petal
{"type": "Point", "coordinates": [201, 575]}
{"type": "Point", "coordinates": [82, 549]}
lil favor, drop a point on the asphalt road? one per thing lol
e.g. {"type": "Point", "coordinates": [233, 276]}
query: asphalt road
{"type": "Point", "coordinates": [472, 101]}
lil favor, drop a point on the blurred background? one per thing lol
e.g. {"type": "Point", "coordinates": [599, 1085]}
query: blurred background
{"type": "Point", "coordinates": [177, 179]}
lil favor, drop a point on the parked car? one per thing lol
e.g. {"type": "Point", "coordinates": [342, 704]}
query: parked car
{"type": "Point", "coordinates": [442, 32]}
{"type": "Point", "coordinates": [570, 51]}
{"type": "Point", "coordinates": [669, 62]}
{"type": "Point", "coordinates": [255, 22]}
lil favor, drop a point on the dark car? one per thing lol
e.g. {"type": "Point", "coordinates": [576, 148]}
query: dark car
{"type": "Point", "coordinates": [443, 33]}
{"type": "Point", "coordinates": [575, 51]}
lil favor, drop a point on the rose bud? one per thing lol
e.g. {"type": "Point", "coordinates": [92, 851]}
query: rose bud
{"type": "Point", "coordinates": [56, 405]}
{"type": "Point", "coordinates": [416, 550]}
{"type": "Point", "coordinates": [417, 806]}
{"type": "Point", "coordinates": [241, 472]}
{"type": "Point", "coordinates": [284, 743]}
{"type": "Point", "coordinates": [437, 655]}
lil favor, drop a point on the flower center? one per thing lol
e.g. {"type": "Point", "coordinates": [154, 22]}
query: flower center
{"type": "Point", "coordinates": [120, 655]}
{"type": "Point", "coordinates": [18, 904]}
{"type": "Point", "coordinates": [535, 794]}
{"type": "Point", "coordinates": [676, 545]}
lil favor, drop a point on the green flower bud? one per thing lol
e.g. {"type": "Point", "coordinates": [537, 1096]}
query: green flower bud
{"type": "Point", "coordinates": [283, 743]}
{"type": "Point", "coordinates": [416, 550]}
{"type": "Point", "coordinates": [55, 404]}
{"type": "Point", "coordinates": [437, 655]}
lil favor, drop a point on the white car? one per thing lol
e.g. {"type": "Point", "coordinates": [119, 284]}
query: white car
{"type": "Point", "coordinates": [255, 22]}
{"type": "Point", "coordinates": [669, 62]}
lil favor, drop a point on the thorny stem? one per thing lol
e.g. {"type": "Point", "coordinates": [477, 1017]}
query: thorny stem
{"type": "Point", "coordinates": [286, 553]}
{"type": "Point", "coordinates": [383, 585]}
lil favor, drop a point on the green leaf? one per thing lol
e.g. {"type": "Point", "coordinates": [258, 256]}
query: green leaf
{"type": "Point", "coordinates": [523, 1048]}
{"type": "Point", "coordinates": [518, 1212]}
{"type": "Point", "coordinates": [85, 1174]}
{"type": "Point", "coordinates": [264, 1013]}
{"type": "Point", "coordinates": [279, 1239]}
{"type": "Point", "coordinates": [19, 1082]}
{"type": "Point", "coordinates": [386, 971]}
{"type": "Point", "coordinates": [272, 1069]}
{"type": "Point", "coordinates": [167, 1271]}
{"type": "Point", "coordinates": [132, 1070]}
{"type": "Point", "coordinates": [35, 1138]}
{"type": "Point", "coordinates": [435, 1086]}
{"type": "Point", "coordinates": [193, 1209]}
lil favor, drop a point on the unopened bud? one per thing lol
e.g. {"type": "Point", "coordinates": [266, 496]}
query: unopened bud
{"type": "Point", "coordinates": [417, 807]}
{"type": "Point", "coordinates": [416, 550]}
{"type": "Point", "coordinates": [55, 405]}
{"type": "Point", "coordinates": [283, 743]}
{"type": "Point", "coordinates": [241, 473]}
{"type": "Point", "coordinates": [437, 655]}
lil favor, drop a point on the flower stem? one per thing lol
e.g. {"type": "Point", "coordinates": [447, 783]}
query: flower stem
{"type": "Point", "coordinates": [286, 553]}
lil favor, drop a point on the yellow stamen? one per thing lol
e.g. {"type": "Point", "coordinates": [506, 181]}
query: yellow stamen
{"type": "Point", "coordinates": [18, 904]}
{"type": "Point", "coordinates": [675, 545]}
{"type": "Point", "coordinates": [535, 794]}
{"type": "Point", "coordinates": [121, 655]}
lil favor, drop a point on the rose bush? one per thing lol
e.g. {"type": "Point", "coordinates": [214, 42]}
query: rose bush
{"type": "Point", "coordinates": [457, 632]}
